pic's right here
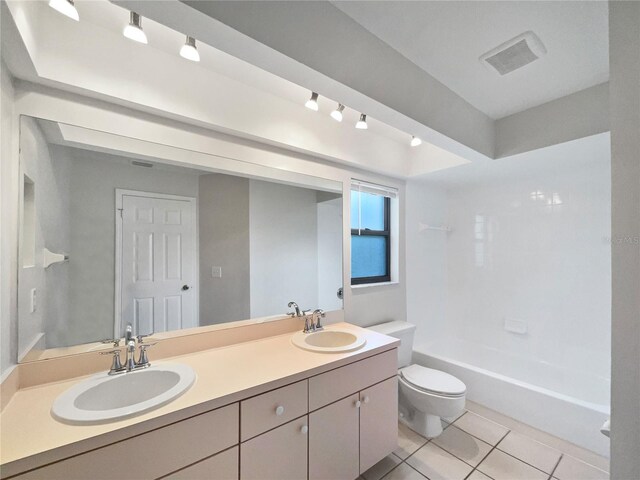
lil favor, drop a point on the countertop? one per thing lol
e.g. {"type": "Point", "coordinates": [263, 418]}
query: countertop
{"type": "Point", "coordinates": [30, 437]}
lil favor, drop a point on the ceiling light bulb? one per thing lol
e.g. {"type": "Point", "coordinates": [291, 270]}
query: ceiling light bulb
{"type": "Point", "coordinates": [134, 30]}
{"type": "Point", "coordinates": [337, 113]}
{"type": "Point", "coordinates": [65, 7]}
{"type": "Point", "coordinates": [189, 50]}
{"type": "Point", "coordinates": [312, 103]}
{"type": "Point", "coordinates": [362, 123]}
{"type": "Point", "coordinates": [415, 141]}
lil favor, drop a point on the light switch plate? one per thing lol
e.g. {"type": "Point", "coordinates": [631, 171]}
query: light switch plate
{"type": "Point", "coordinates": [216, 272]}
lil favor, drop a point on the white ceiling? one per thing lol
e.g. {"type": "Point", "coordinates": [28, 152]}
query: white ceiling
{"type": "Point", "coordinates": [569, 157]}
{"type": "Point", "coordinates": [114, 18]}
{"type": "Point", "coordinates": [445, 39]}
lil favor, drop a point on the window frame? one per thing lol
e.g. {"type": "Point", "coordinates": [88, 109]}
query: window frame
{"type": "Point", "coordinates": [377, 233]}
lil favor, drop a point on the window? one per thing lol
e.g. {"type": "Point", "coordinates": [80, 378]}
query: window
{"type": "Point", "coordinates": [370, 233]}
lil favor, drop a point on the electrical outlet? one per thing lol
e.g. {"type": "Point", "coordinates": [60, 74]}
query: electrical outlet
{"type": "Point", "coordinates": [216, 272]}
{"type": "Point", "coordinates": [32, 297]}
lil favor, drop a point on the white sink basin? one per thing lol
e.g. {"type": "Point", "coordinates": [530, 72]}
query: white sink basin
{"type": "Point", "coordinates": [328, 341]}
{"type": "Point", "coordinates": [104, 398]}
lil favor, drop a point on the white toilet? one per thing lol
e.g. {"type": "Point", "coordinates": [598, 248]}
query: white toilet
{"type": "Point", "coordinates": [426, 394]}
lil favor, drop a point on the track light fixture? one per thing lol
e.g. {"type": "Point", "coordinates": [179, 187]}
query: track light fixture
{"type": "Point", "coordinates": [362, 123]}
{"type": "Point", "coordinates": [65, 7]}
{"type": "Point", "coordinates": [312, 103]}
{"type": "Point", "coordinates": [415, 141]}
{"type": "Point", "coordinates": [189, 50]}
{"type": "Point", "coordinates": [134, 30]}
{"type": "Point", "coordinates": [337, 113]}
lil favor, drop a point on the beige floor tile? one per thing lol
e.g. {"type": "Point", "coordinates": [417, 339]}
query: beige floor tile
{"type": "Point", "coordinates": [478, 475]}
{"type": "Point", "coordinates": [408, 441]}
{"type": "Point", "coordinates": [462, 445]}
{"type": "Point", "coordinates": [448, 420]}
{"type": "Point", "coordinates": [481, 428]}
{"type": "Point", "coordinates": [381, 468]}
{"type": "Point", "coordinates": [528, 450]}
{"type": "Point", "coordinates": [437, 464]}
{"type": "Point", "coordinates": [571, 468]}
{"type": "Point", "coordinates": [404, 472]}
{"type": "Point", "coordinates": [500, 466]}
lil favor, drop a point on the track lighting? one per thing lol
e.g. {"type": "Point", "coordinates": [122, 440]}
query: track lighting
{"type": "Point", "coordinates": [362, 123]}
{"type": "Point", "coordinates": [415, 141]}
{"type": "Point", "coordinates": [337, 113]}
{"type": "Point", "coordinates": [134, 30]}
{"type": "Point", "coordinates": [312, 103]}
{"type": "Point", "coordinates": [65, 7]}
{"type": "Point", "coordinates": [189, 50]}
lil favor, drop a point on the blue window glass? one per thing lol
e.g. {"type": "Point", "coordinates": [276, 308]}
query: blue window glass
{"type": "Point", "coordinates": [369, 238]}
{"type": "Point", "coordinates": [367, 211]}
{"type": "Point", "coordinates": [368, 256]}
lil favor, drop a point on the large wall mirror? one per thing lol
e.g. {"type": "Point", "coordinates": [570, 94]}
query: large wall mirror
{"type": "Point", "coordinates": [110, 236]}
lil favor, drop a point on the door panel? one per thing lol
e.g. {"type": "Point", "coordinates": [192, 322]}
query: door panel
{"type": "Point", "coordinates": [158, 257]}
{"type": "Point", "coordinates": [378, 422]}
{"type": "Point", "coordinates": [280, 454]}
{"type": "Point", "coordinates": [333, 441]}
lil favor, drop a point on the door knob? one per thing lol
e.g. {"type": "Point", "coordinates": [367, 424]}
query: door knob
{"type": "Point", "coordinates": [279, 410]}
{"type": "Point", "coordinates": [185, 288]}
{"type": "Point", "coordinates": [358, 403]}
{"type": "Point", "coordinates": [304, 429]}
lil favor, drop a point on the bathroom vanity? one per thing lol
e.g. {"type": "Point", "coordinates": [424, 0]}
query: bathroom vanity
{"type": "Point", "coordinates": [263, 409]}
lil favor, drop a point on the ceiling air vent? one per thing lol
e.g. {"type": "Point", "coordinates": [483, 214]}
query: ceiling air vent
{"type": "Point", "coordinates": [514, 53]}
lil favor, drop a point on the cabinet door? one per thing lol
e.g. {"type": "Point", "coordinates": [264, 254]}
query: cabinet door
{"type": "Point", "coordinates": [378, 422]}
{"type": "Point", "coordinates": [223, 466]}
{"type": "Point", "coordinates": [280, 454]}
{"type": "Point", "coordinates": [333, 441]}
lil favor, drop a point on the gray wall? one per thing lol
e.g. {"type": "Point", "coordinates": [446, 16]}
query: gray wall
{"type": "Point", "coordinates": [94, 179]}
{"type": "Point", "coordinates": [8, 330]}
{"type": "Point", "coordinates": [223, 206]}
{"type": "Point", "coordinates": [624, 45]}
{"type": "Point", "coordinates": [284, 240]}
{"type": "Point", "coordinates": [51, 185]}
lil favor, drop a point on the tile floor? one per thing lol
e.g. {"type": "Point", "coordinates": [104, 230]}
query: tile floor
{"type": "Point", "coordinates": [473, 447]}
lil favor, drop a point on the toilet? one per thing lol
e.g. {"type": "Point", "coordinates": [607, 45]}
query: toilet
{"type": "Point", "coordinates": [425, 395]}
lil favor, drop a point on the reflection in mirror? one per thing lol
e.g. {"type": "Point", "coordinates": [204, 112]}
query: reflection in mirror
{"type": "Point", "coordinates": [109, 238]}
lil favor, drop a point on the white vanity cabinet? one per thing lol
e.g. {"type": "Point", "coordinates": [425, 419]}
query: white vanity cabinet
{"type": "Point", "coordinates": [347, 436]}
{"type": "Point", "coordinates": [153, 454]}
{"type": "Point", "coordinates": [333, 425]}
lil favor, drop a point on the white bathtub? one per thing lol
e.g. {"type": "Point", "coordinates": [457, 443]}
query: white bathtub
{"type": "Point", "coordinates": [569, 404]}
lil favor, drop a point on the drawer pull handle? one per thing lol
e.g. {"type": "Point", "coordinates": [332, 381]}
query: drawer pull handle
{"type": "Point", "coordinates": [304, 429]}
{"type": "Point", "coordinates": [279, 410]}
{"type": "Point", "coordinates": [358, 403]}
{"type": "Point", "coordinates": [366, 399]}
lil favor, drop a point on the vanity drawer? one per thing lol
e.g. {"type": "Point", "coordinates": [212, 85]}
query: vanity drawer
{"type": "Point", "coordinates": [153, 454]}
{"type": "Point", "coordinates": [272, 409]}
{"type": "Point", "coordinates": [341, 382]}
{"type": "Point", "coordinates": [223, 466]}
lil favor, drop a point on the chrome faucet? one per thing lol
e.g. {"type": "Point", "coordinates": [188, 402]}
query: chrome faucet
{"type": "Point", "coordinates": [315, 319]}
{"type": "Point", "coordinates": [296, 312]}
{"type": "Point", "coordinates": [130, 363]}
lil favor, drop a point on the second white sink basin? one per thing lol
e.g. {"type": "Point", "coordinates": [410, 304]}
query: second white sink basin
{"type": "Point", "coordinates": [328, 341]}
{"type": "Point", "coordinates": [104, 398]}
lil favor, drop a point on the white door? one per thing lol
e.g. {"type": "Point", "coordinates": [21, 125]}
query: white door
{"type": "Point", "coordinates": [157, 255]}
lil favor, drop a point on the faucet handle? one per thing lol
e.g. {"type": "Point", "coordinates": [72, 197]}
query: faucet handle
{"type": "Point", "coordinates": [143, 359]}
{"type": "Point", "coordinates": [115, 341]}
{"type": "Point", "coordinates": [116, 364]}
{"type": "Point", "coordinates": [140, 338]}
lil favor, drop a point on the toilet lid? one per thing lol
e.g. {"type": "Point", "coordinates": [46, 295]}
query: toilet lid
{"type": "Point", "coordinates": [432, 380]}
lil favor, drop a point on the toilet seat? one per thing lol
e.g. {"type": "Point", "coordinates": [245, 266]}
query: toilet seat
{"type": "Point", "coordinates": [433, 381]}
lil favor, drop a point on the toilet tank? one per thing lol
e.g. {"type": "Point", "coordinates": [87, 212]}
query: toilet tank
{"type": "Point", "coordinates": [404, 332]}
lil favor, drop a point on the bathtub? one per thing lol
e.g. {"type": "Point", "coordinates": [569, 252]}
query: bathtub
{"type": "Point", "coordinates": [569, 404]}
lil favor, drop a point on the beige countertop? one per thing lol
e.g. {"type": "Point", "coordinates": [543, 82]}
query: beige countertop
{"type": "Point", "coordinates": [31, 437]}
